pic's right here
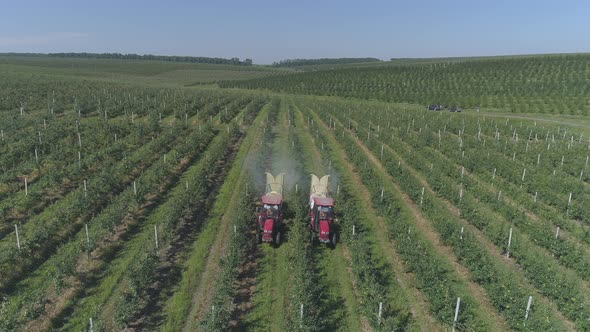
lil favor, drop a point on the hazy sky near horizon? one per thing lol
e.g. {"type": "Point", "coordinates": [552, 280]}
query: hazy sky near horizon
{"type": "Point", "coordinates": [268, 31]}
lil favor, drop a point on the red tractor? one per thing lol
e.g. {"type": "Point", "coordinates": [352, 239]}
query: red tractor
{"type": "Point", "coordinates": [321, 211]}
{"type": "Point", "coordinates": [270, 216]}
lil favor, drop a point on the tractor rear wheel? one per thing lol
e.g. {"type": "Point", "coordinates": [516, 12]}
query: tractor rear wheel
{"type": "Point", "coordinates": [258, 237]}
{"type": "Point", "coordinates": [312, 238]}
{"type": "Point", "coordinates": [334, 239]}
{"type": "Point", "coordinates": [278, 239]}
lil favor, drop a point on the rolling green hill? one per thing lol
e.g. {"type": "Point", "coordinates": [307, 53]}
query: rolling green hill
{"type": "Point", "coordinates": [557, 84]}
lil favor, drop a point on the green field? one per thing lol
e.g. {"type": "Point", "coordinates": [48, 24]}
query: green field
{"type": "Point", "coordinates": [133, 186]}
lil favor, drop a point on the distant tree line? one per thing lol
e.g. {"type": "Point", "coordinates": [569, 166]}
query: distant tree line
{"type": "Point", "coordinates": [323, 61]}
{"type": "Point", "coordinates": [132, 56]}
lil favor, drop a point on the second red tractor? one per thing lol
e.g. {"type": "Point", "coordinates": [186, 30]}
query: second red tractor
{"type": "Point", "coordinates": [321, 211]}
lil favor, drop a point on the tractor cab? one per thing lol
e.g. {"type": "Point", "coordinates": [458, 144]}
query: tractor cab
{"type": "Point", "coordinates": [271, 211]}
{"type": "Point", "coordinates": [272, 207]}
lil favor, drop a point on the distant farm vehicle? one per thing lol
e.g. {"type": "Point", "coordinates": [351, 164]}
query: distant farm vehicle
{"type": "Point", "coordinates": [435, 107]}
{"type": "Point", "coordinates": [270, 214]}
{"type": "Point", "coordinates": [455, 109]}
{"type": "Point", "coordinates": [321, 212]}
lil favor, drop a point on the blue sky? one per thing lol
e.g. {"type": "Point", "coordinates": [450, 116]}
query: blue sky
{"type": "Point", "coordinates": [268, 31]}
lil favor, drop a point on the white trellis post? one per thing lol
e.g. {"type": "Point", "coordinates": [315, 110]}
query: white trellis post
{"type": "Point", "coordinates": [300, 315]}
{"type": "Point", "coordinates": [456, 313]}
{"type": "Point", "coordinates": [422, 197]}
{"type": "Point", "coordinates": [156, 235]}
{"type": "Point", "coordinates": [569, 202]}
{"type": "Point", "coordinates": [380, 313]}
{"type": "Point", "coordinates": [87, 237]}
{"type": "Point", "coordinates": [301, 311]}
{"type": "Point", "coordinates": [509, 243]}
{"type": "Point", "coordinates": [17, 237]}
{"type": "Point", "coordinates": [26, 187]}
{"type": "Point", "coordinates": [536, 193]}
{"type": "Point", "coordinates": [557, 233]}
{"type": "Point", "coordinates": [528, 308]}
{"type": "Point", "coordinates": [134, 188]}
{"type": "Point", "coordinates": [523, 174]}
{"type": "Point", "coordinates": [382, 190]}
{"type": "Point", "coordinates": [353, 230]}
{"type": "Point", "coordinates": [91, 325]}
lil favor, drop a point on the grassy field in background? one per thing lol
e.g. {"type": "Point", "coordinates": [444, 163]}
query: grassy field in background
{"type": "Point", "coordinates": [559, 105]}
{"type": "Point", "coordinates": [149, 72]}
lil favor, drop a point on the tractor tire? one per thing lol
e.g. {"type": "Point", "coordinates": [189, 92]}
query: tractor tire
{"type": "Point", "coordinates": [312, 238]}
{"type": "Point", "coordinates": [258, 237]}
{"type": "Point", "coordinates": [334, 239]}
{"type": "Point", "coordinates": [278, 239]}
